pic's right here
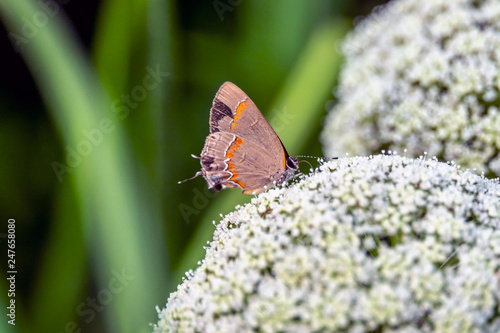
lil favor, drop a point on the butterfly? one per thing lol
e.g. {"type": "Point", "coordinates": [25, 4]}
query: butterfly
{"type": "Point", "coordinates": [242, 149]}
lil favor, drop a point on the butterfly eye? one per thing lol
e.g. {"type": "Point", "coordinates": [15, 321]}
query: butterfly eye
{"type": "Point", "coordinates": [292, 163]}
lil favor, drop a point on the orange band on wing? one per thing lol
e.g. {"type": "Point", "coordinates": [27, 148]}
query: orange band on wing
{"type": "Point", "coordinates": [234, 147]}
{"type": "Point", "coordinates": [239, 110]}
{"type": "Point", "coordinates": [284, 159]}
{"type": "Point", "coordinates": [237, 143]}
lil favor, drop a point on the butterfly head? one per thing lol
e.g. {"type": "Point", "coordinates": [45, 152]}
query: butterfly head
{"type": "Point", "coordinates": [292, 164]}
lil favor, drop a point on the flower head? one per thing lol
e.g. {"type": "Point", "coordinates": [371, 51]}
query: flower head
{"type": "Point", "coordinates": [423, 76]}
{"type": "Point", "coordinates": [364, 243]}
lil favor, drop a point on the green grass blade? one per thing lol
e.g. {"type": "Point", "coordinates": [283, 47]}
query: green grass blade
{"type": "Point", "coordinates": [62, 272]}
{"type": "Point", "coordinates": [115, 209]}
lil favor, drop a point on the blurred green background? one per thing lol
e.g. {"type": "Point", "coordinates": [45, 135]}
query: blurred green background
{"type": "Point", "coordinates": [102, 103]}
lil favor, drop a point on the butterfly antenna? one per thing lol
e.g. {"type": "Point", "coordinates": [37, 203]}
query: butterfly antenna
{"type": "Point", "coordinates": [328, 158]}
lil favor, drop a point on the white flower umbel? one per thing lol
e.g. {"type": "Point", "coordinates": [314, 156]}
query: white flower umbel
{"type": "Point", "coordinates": [422, 75]}
{"type": "Point", "coordinates": [385, 243]}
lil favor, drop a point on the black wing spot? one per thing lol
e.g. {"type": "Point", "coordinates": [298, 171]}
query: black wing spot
{"type": "Point", "coordinates": [219, 111]}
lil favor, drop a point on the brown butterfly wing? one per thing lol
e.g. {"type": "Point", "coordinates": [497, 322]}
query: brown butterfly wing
{"type": "Point", "coordinates": [234, 112]}
{"type": "Point", "coordinates": [230, 161]}
{"type": "Point", "coordinates": [260, 156]}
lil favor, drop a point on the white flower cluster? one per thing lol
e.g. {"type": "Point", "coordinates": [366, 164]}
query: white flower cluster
{"type": "Point", "coordinates": [422, 75]}
{"type": "Point", "coordinates": [383, 243]}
